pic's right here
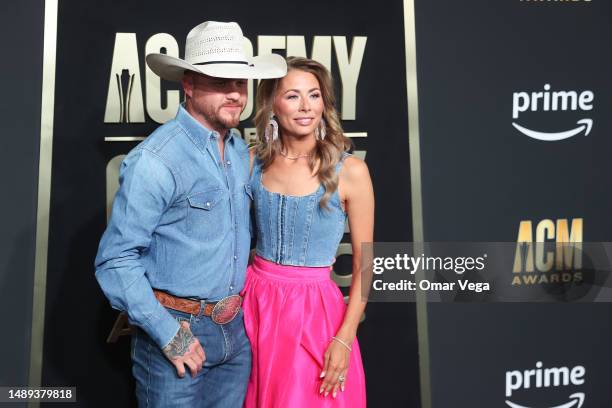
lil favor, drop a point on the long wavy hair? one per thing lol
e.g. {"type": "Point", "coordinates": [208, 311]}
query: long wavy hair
{"type": "Point", "coordinates": [327, 152]}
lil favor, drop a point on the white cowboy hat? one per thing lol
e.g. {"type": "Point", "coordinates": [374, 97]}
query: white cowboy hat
{"type": "Point", "coordinates": [216, 49]}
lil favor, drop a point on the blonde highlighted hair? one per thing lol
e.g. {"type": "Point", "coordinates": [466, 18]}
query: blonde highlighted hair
{"type": "Point", "coordinates": [327, 152]}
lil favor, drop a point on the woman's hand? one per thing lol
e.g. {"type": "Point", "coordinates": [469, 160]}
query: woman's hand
{"type": "Point", "coordinates": [336, 361]}
{"type": "Point", "coordinates": [355, 188]}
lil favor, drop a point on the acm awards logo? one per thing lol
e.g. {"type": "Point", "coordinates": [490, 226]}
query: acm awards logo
{"type": "Point", "coordinates": [547, 380]}
{"type": "Point", "coordinates": [126, 101]}
{"type": "Point", "coordinates": [556, 256]}
{"type": "Point", "coordinates": [548, 100]}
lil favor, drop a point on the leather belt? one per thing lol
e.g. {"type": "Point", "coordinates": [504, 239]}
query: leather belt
{"type": "Point", "coordinates": [221, 312]}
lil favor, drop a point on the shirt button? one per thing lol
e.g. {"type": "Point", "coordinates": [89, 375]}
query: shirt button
{"type": "Point", "coordinates": [208, 204]}
{"type": "Point", "coordinates": [231, 288]}
{"type": "Point", "coordinates": [229, 162]}
{"type": "Point", "coordinates": [235, 257]}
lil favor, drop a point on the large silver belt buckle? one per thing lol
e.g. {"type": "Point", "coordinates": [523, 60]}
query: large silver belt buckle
{"type": "Point", "coordinates": [226, 309]}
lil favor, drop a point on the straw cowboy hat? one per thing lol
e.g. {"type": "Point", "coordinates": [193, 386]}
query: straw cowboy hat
{"type": "Point", "coordinates": [216, 49]}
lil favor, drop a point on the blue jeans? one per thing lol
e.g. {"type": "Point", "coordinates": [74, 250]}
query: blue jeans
{"type": "Point", "coordinates": [223, 381]}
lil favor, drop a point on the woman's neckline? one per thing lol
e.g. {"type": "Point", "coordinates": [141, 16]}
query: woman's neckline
{"type": "Point", "coordinates": [285, 195]}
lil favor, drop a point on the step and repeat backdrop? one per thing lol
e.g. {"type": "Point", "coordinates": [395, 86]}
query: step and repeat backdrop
{"type": "Point", "coordinates": [514, 128]}
{"type": "Point", "coordinates": [106, 100]}
{"type": "Point", "coordinates": [514, 108]}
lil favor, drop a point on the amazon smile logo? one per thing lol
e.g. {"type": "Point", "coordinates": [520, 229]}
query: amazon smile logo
{"type": "Point", "coordinates": [575, 401]}
{"type": "Point", "coordinates": [546, 378]}
{"type": "Point", "coordinates": [553, 101]}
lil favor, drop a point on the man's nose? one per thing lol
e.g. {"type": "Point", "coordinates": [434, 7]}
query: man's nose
{"type": "Point", "coordinates": [234, 90]}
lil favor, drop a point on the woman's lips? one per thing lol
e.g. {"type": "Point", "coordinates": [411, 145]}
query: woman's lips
{"type": "Point", "coordinates": [304, 121]}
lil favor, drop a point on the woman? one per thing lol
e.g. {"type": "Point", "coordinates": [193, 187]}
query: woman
{"type": "Point", "coordinates": [304, 186]}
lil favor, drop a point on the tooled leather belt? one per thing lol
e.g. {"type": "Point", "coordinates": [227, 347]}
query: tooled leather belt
{"type": "Point", "coordinates": [221, 312]}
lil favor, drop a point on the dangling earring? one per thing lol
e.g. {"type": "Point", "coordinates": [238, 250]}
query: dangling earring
{"type": "Point", "coordinates": [274, 125]}
{"type": "Point", "coordinates": [320, 131]}
{"type": "Point", "coordinates": [273, 132]}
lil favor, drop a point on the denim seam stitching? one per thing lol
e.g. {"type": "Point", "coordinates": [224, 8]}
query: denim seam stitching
{"type": "Point", "coordinates": [307, 228]}
{"type": "Point", "coordinates": [168, 135]}
{"type": "Point", "coordinates": [201, 146]}
{"type": "Point", "coordinates": [148, 370]}
{"type": "Point", "coordinates": [172, 171]}
{"type": "Point", "coordinates": [281, 236]}
{"type": "Point", "coordinates": [290, 250]}
{"type": "Point", "coordinates": [271, 236]}
{"type": "Point", "coordinates": [225, 340]}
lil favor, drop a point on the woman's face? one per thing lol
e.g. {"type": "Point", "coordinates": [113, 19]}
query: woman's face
{"type": "Point", "coordinates": [298, 104]}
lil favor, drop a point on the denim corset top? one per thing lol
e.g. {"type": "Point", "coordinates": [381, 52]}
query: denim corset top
{"type": "Point", "coordinates": [295, 230]}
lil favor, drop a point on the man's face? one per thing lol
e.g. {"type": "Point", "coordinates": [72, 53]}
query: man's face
{"type": "Point", "coordinates": [216, 102]}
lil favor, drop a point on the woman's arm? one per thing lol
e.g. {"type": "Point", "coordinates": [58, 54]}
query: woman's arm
{"type": "Point", "coordinates": [355, 188]}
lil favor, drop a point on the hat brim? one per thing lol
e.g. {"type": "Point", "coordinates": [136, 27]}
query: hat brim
{"type": "Point", "coordinates": [261, 67]}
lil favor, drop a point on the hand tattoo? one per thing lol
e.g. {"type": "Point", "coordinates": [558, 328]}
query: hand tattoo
{"type": "Point", "coordinates": [179, 345]}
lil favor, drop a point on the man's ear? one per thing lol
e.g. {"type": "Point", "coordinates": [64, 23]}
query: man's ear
{"type": "Point", "coordinates": [187, 83]}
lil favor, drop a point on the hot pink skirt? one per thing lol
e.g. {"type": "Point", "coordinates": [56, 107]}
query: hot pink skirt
{"type": "Point", "coordinates": [290, 315]}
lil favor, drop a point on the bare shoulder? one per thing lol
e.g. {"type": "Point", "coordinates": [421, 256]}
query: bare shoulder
{"type": "Point", "coordinates": [354, 179]}
{"type": "Point", "coordinates": [354, 170]}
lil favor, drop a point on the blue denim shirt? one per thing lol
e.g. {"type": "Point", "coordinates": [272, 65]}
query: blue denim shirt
{"type": "Point", "coordinates": [295, 230]}
{"type": "Point", "coordinates": [180, 223]}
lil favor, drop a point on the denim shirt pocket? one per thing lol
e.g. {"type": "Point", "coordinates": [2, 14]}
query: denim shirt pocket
{"type": "Point", "coordinates": [206, 200]}
{"type": "Point", "coordinates": [206, 211]}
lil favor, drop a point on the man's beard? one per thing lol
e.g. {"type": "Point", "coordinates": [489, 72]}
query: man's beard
{"type": "Point", "coordinates": [226, 121]}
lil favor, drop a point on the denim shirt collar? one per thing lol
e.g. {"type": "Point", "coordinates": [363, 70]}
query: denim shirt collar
{"type": "Point", "coordinates": [199, 134]}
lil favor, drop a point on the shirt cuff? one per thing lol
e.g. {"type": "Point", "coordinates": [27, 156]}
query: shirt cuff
{"type": "Point", "coordinates": [162, 327]}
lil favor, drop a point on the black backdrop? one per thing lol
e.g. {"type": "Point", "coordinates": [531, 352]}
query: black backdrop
{"type": "Point", "coordinates": [20, 82]}
{"type": "Point", "coordinates": [78, 317]}
{"type": "Point", "coordinates": [482, 177]}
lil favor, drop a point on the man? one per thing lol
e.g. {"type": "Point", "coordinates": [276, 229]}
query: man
{"type": "Point", "coordinates": [175, 251]}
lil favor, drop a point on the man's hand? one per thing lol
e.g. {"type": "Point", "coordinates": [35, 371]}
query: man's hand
{"type": "Point", "coordinates": [184, 349]}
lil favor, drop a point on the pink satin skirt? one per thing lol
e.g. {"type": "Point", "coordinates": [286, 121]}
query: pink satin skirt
{"type": "Point", "coordinates": [290, 315]}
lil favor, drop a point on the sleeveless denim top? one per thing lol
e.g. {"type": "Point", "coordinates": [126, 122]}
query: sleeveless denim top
{"type": "Point", "coordinates": [295, 230]}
